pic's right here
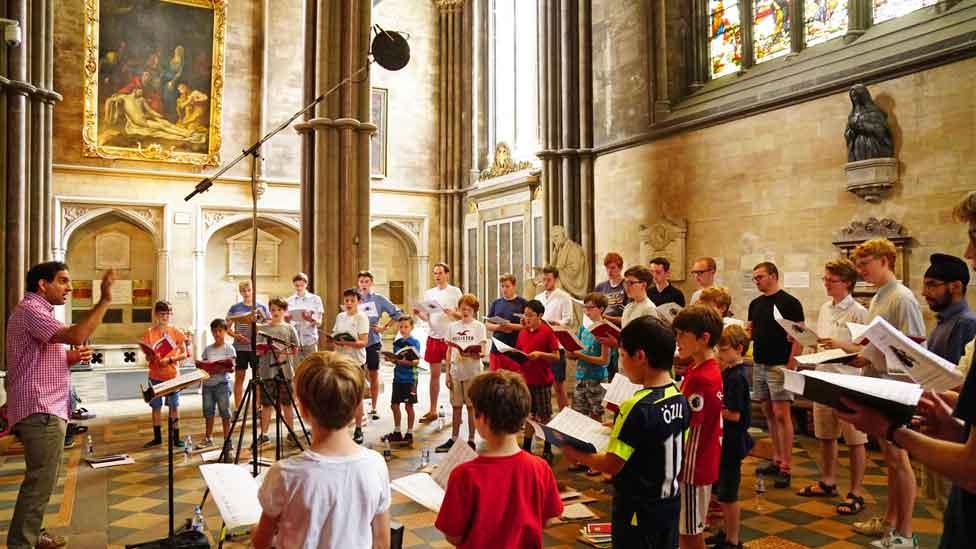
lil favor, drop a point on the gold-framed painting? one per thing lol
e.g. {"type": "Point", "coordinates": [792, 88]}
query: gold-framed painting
{"type": "Point", "coordinates": [153, 80]}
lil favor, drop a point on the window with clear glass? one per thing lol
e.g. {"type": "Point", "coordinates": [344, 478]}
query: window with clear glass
{"type": "Point", "coordinates": [503, 253]}
{"type": "Point", "coordinates": [824, 20]}
{"type": "Point", "coordinates": [725, 37]}
{"type": "Point", "coordinates": [770, 29]}
{"type": "Point", "coordinates": [890, 9]}
{"type": "Point", "coordinates": [513, 85]}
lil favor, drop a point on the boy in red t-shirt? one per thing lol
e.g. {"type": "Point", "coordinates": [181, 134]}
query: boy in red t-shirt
{"type": "Point", "coordinates": [698, 329]}
{"type": "Point", "coordinates": [470, 515]}
{"type": "Point", "coordinates": [538, 342]}
{"type": "Point", "coordinates": [164, 368]}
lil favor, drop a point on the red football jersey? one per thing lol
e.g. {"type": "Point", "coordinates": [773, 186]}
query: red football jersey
{"type": "Point", "coordinates": [702, 387]}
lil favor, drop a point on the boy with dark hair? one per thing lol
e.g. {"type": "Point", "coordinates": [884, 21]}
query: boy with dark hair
{"type": "Point", "coordinates": [164, 368]}
{"type": "Point", "coordinates": [662, 292]}
{"type": "Point", "coordinates": [736, 442]}
{"type": "Point", "coordinates": [470, 516]}
{"type": "Point", "coordinates": [295, 511]}
{"type": "Point", "coordinates": [271, 363]}
{"type": "Point", "coordinates": [538, 342]}
{"type": "Point", "coordinates": [647, 441]}
{"type": "Point", "coordinates": [216, 389]}
{"type": "Point", "coordinates": [404, 382]}
{"type": "Point", "coordinates": [697, 329]}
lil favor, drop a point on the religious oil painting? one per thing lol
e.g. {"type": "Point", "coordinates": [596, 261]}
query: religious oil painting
{"type": "Point", "coordinates": [725, 37]}
{"type": "Point", "coordinates": [154, 72]}
{"type": "Point", "coordinates": [771, 29]}
{"type": "Point", "coordinates": [825, 20]}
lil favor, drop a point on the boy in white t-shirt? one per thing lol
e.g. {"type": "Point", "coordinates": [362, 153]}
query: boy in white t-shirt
{"type": "Point", "coordinates": [336, 493]}
{"type": "Point", "coordinates": [352, 323]}
{"type": "Point", "coordinates": [466, 339]}
{"type": "Point", "coordinates": [216, 389]}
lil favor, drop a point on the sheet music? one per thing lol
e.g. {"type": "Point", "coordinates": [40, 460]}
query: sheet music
{"type": "Point", "coordinates": [430, 306]}
{"type": "Point", "coordinates": [577, 511]}
{"type": "Point", "coordinates": [620, 389]}
{"type": "Point", "coordinates": [369, 308]}
{"type": "Point", "coordinates": [235, 492]}
{"type": "Point", "coordinates": [459, 453]}
{"type": "Point", "coordinates": [904, 355]}
{"type": "Point", "coordinates": [812, 359]}
{"type": "Point", "coordinates": [107, 461]}
{"type": "Point", "coordinates": [669, 311]}
{"type": "Point", "coordinates": [179, 382]}
{"type": "Point", "coordinates": [857, 331]}
{"type": "Point", "coordinates": [210, 455]}
{"type": "Point", "coordinates": [503, 347]}
{"type": "Point", "coordinates": [496, 320]}
{"type": "Point", "coordinates": [888, 389]}
{"type": "Point", "coordinates": [421, 488]}
{"type": "Point", "coordinates": [803, 334]}
{"type": "Point", "coordinates": [583, 427]}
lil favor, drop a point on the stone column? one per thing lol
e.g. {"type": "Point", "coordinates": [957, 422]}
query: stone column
{"type": "Point", "coordinates": [566, 117]}
{"type": "Point", "coordinates": [335, 175]}
{"type": "Point", "coordinates": [858, 19]}
{"type": "Point", "coordinates": [454, 119]}
{"type": "Point", "coordinates": [17, 90]}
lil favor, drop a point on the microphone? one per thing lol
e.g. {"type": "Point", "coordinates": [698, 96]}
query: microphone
{"type": "Point", "coordinates": [389, 49]}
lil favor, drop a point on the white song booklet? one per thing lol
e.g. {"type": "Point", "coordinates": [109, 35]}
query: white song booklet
{"type": "Point", "coordinates": [428, 489]}
{"type": "Point", "coordinates": [235, 492]}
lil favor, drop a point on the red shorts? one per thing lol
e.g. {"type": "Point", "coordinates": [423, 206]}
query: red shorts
{"type": "Point", "coordinates": [436, 350]}
{"type": "Point", "coordinates": [498, 361]}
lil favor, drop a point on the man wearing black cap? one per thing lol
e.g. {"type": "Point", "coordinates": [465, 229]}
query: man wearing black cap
{"type": "Point", "coordinates": [944, 289]}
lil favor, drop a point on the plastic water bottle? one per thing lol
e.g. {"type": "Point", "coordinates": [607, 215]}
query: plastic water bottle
{"type": "Point", "coordinates": [198, 523]}
{"type": "Point", "coordinates": [90, 446]}
{"type": "Point", "coordinates": [424, 456]}
{"type": "Point", "coordinates": [760, 490]}
{"type": "Point", "coordinates": [441, 415]}
{"type": "Point", "coordinates": [387, 450]}
{"type": "Point", "coordinates": [187, 449]}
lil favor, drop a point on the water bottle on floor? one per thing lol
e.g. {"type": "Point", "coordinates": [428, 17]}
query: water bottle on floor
{"type": "Point", "coordinates": [424, 456]}
{"type": "Point", "coordinates": [387, 450]}
{"type": "Point", "coordinates": [187, 449]}
{"type": "Point", "coordinates": [198, 523]}
{"type": "Point", "coordinates": [90, 446]}
{"type": "Point", "coordinates": [441, 415]}
{"type": "Point", "coordinates": [760, 491]}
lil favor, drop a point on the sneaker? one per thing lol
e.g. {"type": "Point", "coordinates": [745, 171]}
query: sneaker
{"type": "Point", "coordinates": [393, 438]}
{"type": "Point", "coordinates": [48, 540]}
{"type": "Point", "coordinates": [153, 443]}
{"type": "Point", "coordinates": [783, 479]}
{"type": "Point", "coordinates": [896, 541]}
{"type": "Point", "coordinates": [471, 444]}
{"type": "Point", "coordinates": [874, 526]}
{"type": "Point", "coordinates": [374, 416]}
{"type": "Point", "coordinates": [82, 414]}
{"type": "Point", "coordinates": [207, 443]}
{"type": "Point", "coordinates": [716, 538]}
{"type": "Point", "coordinates": [357, 436]}
{"type": "Point", "coordinates": [69, 441]}
{"type": "Point", "coordinates": [770, 469]}
{"type": "Point", "coordinates": [263, 439]}
{"type": "Point", "coordinates": [446, 447]}
{"type": "Point", "coordinates": [179, 444]}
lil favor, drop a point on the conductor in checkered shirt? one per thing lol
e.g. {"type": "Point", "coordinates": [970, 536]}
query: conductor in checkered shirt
{"type": "Point", "coordinates": [37, 387]}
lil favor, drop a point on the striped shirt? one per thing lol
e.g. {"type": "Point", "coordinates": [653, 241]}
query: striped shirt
{"type": "Point", "coordinates": [37, 370]}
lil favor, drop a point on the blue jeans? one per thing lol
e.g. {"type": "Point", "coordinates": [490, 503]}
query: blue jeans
{"type": "Point", "coordinates": [172, 399]}
{"type": "Point", "coordinates": [216, 396]}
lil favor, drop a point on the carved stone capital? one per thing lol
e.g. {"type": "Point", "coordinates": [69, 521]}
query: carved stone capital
{"type": "Point", "coordinates": [447, 5]}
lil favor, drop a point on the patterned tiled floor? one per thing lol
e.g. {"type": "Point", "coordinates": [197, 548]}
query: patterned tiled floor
{"type": "Point", "coordinates": [123, 505]}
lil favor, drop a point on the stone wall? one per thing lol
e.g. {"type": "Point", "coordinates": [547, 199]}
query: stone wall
{"type": "Point", "coordinates": [774, 185]}
{"type": "Point", "coordinates": [621, 85]}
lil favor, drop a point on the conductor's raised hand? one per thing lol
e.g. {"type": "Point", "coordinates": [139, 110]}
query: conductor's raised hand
{"type": "Point", "coordinates": [108, 280]}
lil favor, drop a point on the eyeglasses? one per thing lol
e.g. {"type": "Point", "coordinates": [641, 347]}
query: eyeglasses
{"type": "Point", "coordinates": [699, 273]}
{"type": "Point", "coordinates": [933, 284]}
{"type": "Point", "coordinates": [758, 278]}
{"type": "Point", "coordinates": [629, 282]}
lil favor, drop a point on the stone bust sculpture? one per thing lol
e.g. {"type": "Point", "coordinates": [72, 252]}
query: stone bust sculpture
{"type": "Point", "coordinates": [867, 134]}
{"type": "Point", "coordinates": [570, 259]}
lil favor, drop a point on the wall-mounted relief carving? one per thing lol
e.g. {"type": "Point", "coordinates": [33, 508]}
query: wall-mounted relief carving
{"type": "Point", "coordinates": [112, 251]}
{"type": "Point", "coordinates": [860, 231]}
{"type": "Point", "coordinates": [665, 238]}
{"type": "Point", "coordinates": [503, 163]}
{"type": "Point", "coordinates": [239, 249]}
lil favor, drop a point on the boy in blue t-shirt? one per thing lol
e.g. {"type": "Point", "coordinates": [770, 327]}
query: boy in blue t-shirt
{"type": "Point", "coordinates": [591, 362]}
{"type": "Point", "coordinates": [404, 382]}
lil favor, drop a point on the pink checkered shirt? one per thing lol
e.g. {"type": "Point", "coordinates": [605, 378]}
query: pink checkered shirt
{"type": "Point", "coordinates": [37, 370]}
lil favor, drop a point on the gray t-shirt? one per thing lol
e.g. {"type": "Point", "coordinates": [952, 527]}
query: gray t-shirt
{"type": "Point", "coordinates": [284, 332]}
{"type": "Point", "coordinates": [214, 352]}
{"type": "Point", "coordinates": [636, 309]}
{"type": "Point", "coordinates": [896, 304]}
{"type": "Point", "coordinates": [616, 297]}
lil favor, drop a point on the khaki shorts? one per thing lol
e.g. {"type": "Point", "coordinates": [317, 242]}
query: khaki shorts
{"type": "Point", "coordinates": [826, 425]}
{"type": "Point", "coordinates": [459, 393]}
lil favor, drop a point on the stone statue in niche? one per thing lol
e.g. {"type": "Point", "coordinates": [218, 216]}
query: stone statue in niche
{"type": "Point", "coordinates": [868, 135]}
{"type": "Point", "coordinates": [665, 238]}
{"type": "Point", "coordinates": [570, 259]}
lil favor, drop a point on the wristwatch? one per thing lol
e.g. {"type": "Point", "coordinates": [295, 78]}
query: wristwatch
{"type": "Point", "coordinates": [890, 434]}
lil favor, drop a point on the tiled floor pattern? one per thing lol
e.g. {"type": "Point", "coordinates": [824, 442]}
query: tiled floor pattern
{"type": "Point", "coordinates": [116, 506]}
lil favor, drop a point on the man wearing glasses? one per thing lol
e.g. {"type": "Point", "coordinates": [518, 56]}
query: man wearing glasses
{"type": "Point", "coordinates": [773, 351]}
{"type": "Point", "coordinates": [703, 269]}
{"type": "Point", "coordinates": [944, 289]}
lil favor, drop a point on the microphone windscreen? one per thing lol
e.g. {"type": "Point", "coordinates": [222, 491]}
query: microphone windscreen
{"type": "Point", "coordinates": [390, 50]}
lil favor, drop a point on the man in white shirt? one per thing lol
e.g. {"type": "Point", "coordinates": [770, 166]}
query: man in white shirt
{"type": "Point", "coordinates": [436, 348]}
{"type": "Point", "coordinates": [559, 312]}
{"type": "Point", "coordinates": [305, 312]}
{"type": "Point", "coordinates": [703, 269]}
{"type": "Point", "coordinates": [839, 278]}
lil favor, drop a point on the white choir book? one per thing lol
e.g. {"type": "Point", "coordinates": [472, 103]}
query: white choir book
{"type": "Point", "coordinates": [497, 320]}
{"type": "Point", "coordinates": [830, 355]}
{"type": "Point", "coordinates": [235, 492]}
{"type": "Point", "coordinates": [577, 511]}
{"type": "Point", "coordinates": [110, 461]}
{"type": "Point", "coordinates": [575, 429]}
{"type": "Point", "coordinates": [619, 390]}
{"type": "Point", "coordinates": [857, 331]}
{"type": "Point", "coordinates": [428, 489]}
{"type": "Point", "coordinates": [902, 354]}
{"type": "Point", "coordinates": [804, 335]}
{"type": "Point", "coordinates": [669, 311]}
{"type": "Point", "coordinates": [178, 383]}
{"type": "Point", "coordinates": [429, 306]}
{"type": "Point", "coordinates": [895, 399]}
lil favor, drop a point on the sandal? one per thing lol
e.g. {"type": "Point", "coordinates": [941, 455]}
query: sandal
{"type": "Point", "coordinates": [819, 490]}
{"type": "Point", "coordinates": [851, 506]}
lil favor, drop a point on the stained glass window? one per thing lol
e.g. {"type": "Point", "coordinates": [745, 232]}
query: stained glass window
{"type": "Point", "coordinates": [825, 19]}
{"type": "Point", "coordinates": [771, 29]}
{"type": "Point", "coordinates": [890, 9]}
{"type": "Point", "coordinates": [725, 37]}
